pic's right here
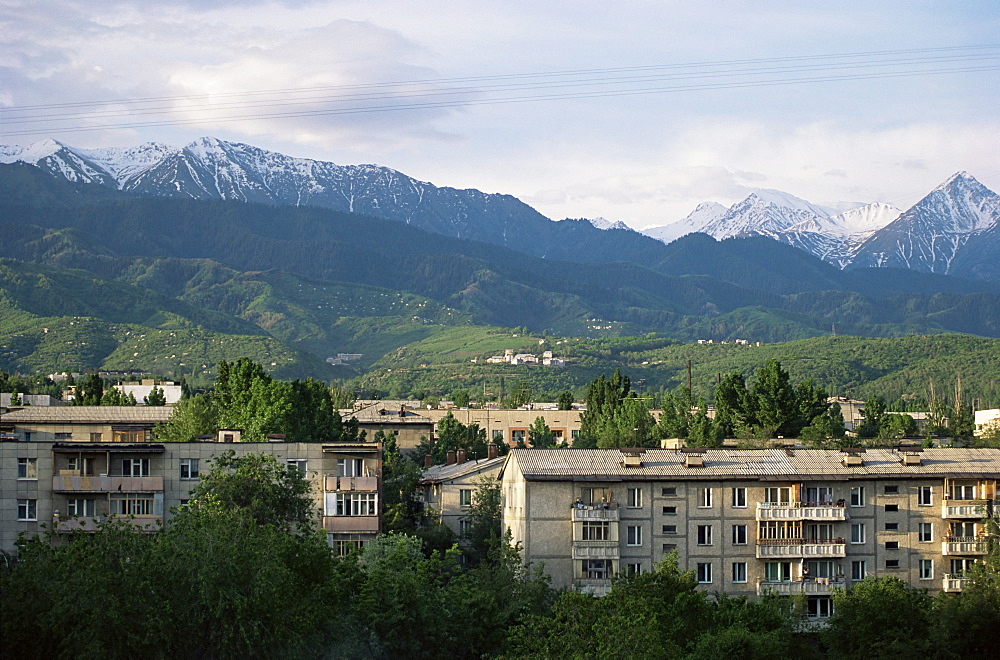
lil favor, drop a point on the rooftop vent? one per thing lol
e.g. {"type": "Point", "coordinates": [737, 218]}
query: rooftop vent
{"type": "Point", "coordinates": [693, 456]}
{"type": "Point", "coordinates": [852, 456]}
{"type": "Point", "coordinates": [632, 456]}
{"type": "Point", "coordinates": [910, 455]}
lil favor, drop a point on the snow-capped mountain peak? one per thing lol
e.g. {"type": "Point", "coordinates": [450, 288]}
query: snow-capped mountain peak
{"type": "Point", "coordinates": [605, 224]}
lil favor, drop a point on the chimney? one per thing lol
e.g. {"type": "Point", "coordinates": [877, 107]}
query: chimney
{"type": "Point", "coordinates": [492, 451]}
{"type": "Point", "coordinates": [451, 457]}
{"type": "Point", "coordinates": [428, 461]}
{"type": "Point", "coordinates": [461, 456]}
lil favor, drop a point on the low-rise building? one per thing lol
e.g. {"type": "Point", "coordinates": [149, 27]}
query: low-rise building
{"type": "Point", "coordinates": [68, 486]}
{"type": "Point", "coordinates": [447, 489]}
{"type": "Point", "coordinates": [408, 426]}
{"type": "Point", "coordinates": [84, 423]}
{"type": "Point", "coordinates": [747, 522]}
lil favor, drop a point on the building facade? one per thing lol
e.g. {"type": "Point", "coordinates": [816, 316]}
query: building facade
{"type": "Point", "coordinates": [68, 486]}
{"type": "Point", "coordinates": [748, 522]}
{"type": "Point", "coordinates": [448, 489]}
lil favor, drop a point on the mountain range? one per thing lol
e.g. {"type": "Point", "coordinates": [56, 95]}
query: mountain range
{"type": "Point", "coordinates": [955, 229]}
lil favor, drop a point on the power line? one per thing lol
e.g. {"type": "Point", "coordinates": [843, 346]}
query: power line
{"type": "Point", "coordinates": [502, 89]}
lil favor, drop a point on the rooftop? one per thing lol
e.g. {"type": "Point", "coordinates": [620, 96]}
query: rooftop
{"type": "Point", "coordinates": [438, 473]}
{"type": "Point", "coordinates": [762, 464]}
{"type": "Point", "coordinates": [88, 415]}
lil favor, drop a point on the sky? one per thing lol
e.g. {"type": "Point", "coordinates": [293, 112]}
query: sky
{"type": "Point", "coordinates": [630, 111]}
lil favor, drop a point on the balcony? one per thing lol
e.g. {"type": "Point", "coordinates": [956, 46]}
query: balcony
{"type": "Point", "coordinates": [593, 586]}
{"type": "Point", "coordinates": [825, 511]}
{"type": "Point", "coordinates": [964, 509]}
{"type": "Point", "coordinates": [964, 545]}
{"type": "Point", "coordinates": [106, 484]}
{"type": "Point", "coordinates": [358, 484]}
{"type": "Point", "coordinates": [815, 587]}
{"type": "Point", "coordinates": [953, 583]}
{"type": "Point", "coordinates": [793, 548]}
{"type": "Point", "coordinates": [351, 523]}
{"type": "Point", "coordinates": [589, 512]}
{"type": "Point", "coordinates": [595, 550]}
{"type": "Point", "coordinates": [91, 523]}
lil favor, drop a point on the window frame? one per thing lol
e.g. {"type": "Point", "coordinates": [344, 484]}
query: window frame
{"type": "Point", "coordinates": [925, 532]}
{"type": "Point", "coordinates": [633, 498]}
{"type": "Point", "coordinates": [925, 496]}
{"type": "Point", "coordinates": [29, 465]}
{"type": "Point", "coordinates": [739, 572]}
{"type": "Point", "coordinates": [670, 510]}
{"type": "Point", "coordinates": [925, 569]}
{"type": "Point", "coordinates": [739, 495]}
{"type": "Point", "coordinates": [669, 530]}
{"type": "Point", "coordinates": [859, 570]}
{"type": "Point", "coordinates": [860, 537]}
{"type": "Point", "coordinates": [704, 535]}
{"type": "Point", "coordinates": [705, 498]}
{"type": "Point", "coordinates": [857, 496]}
{"type": "Point", "coordinates": [668, 491]}
{"type": "Point", "coordinates": [703, 572]}
{"type": "Point", "coordinates": [27, 509]}
{"type": "Point", "coordinates": [190, 469]}
{"type": "Point", "coordinates": [739, 534]}
{"type": "Point", "coordinates": [133, 463]}
{"type": "Point", "coordinates": [465, 497]}
{"type": "Point", "coordinates": [633, 536]}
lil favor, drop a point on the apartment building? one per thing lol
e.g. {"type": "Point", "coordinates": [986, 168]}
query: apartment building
{"type": "Point", "coordinates": [747, 522]}
{"type": "Point", "coordinates": [447, 489]}
{"type": "Point", "coordinates": [83, 423]}
{"type": "Point", "coordinates": [68, 486]}
{"type": "Point", "coordinates": [510, 425]}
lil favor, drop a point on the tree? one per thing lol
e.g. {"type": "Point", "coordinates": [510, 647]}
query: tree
{"type": "Point", "coordinates": [460, 398]}
{"type": "Point", "coordinates": [156, 397]}
{"type": "Point", "coordinates": [565, 401]}
{"type": "Point", "coordinates": [733, 404]}
{"type": "Point", "coordinates": [540, 435]}
{"type": "Point", "coordinates": [486, 532]}
{"type": "Point", "coordinates": [879, 618]}
{"type": "Point", "coordinates": [270, 493]}
{"type": "Point", "coordinates": [90, 391]}
{"type": "Point", "coordinates": [774, 400]}
{"type": "Point", "coordinates": [874, 412]}
{"type": "Point", "coordinates": [191, 417]}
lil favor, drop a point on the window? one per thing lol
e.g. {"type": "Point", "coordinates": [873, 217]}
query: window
{"type": "Point", "coordinates": [857, 533]}
{"type": "Point", "coordinates": [704, 535]}
{"type": "Point", "coordinates": [778, 571]}
{"type": "Point", "coordinates": [85, 466]}
{"type": "Point", "coordinates": [668, 548]}
{"type": "Point", "coordinates": [96, 437]}
{"type": "Point", "coordinates": [595, 531]}
{"type": "Point", "coordinates": [926, 569]}
{"type": "Point", "coordinates": [892, 563]}
{"type": "Point", "coordinates": [819, 568]}
{"type": "Point", "coordinates": [739, 571]}
{"type": "Point", "coordinates": [890, 508]}
{"type": "Point", "coordinates": [819, 495]}
{"type": "Point", "coordinates": [858, 496]}
{"type": "Point", "coordinates": [925, 532]}
{"type": "Point", "coordinates": [776, 495]}
{"type": "Point", "coordinates": [892, 490]}
{"type": "Point", "coordinates": [670, 511]}
{"type": "Point", "coordinates": [351, 504]}
{"type": "Point", "coordinates": [80, 507]}
{"type": "Point", "coordinates": [344, 545]}
{"type": "Point", "coordinates": [819, 607]}
{"type": "Point", "coordinates": [959, 566]}
{"type": "Point", "coordinates": [925, 496]}
{"type": "Point", "coordinates": [133, 504]}
{"type": "Point", "coordinates": [633, 568]}
{"type": "Point", "coordinates": [739, 534]}
{"type": "Point", "coordinates": [298, 464]}
{"type": "Point", "coordinates": [64, 436]}
{"type": "Point", "coordinates": [670, 529]}
{"type": "Point", "coordinates": [779, 529]}
{"type": "Point", "coordinates": [962, 492]}
{"type": "Point", "coordinates": [704, 572]}
{"type": "Point", "coordinates": [129, 435]}
{"type": "Point", "coordinates": [892, 545]}
{"type": "Point", "coordinates": [518, 436]}
{"type": "Point", "coordinates": [596, 495]}
{"type": "Point", "coordinates": [27, 509]}
{"type": "Point", "coordinates": [575, 434]}
{"type": "Point", "coordinates": [135, 467]}
{"type": "Point", "coordinates": [668, 492]}
{"type": "Point", "coordinates": [859, 569]}
{"type": "Point", "coordinates": [464, 526]}
{"type": "Point", "coordinates": [739, 498]}
{"type": "Point", "coordinates": [892, 527]}
{"type": "Point", "coordinates": [189, 468]}
{"type": "Point", "coordinates": [633, 535]}
{"type": "Point", "coordinates": [634, 498]}
{"type": "Point", "coordinates": [465, 497]}
{"type": "Point", "coordinates": [597, 569]}
{"type": "Point", "coordinates": [27, 468]}
{"type": "Point", "coordinates": [350, 467]}
{"type": "Point", "coordinates": [704, 498]}
{"type": "Point", "coordinates": [963, 529]}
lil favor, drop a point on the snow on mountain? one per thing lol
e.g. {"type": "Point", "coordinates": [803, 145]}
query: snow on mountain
{"type": "Point", "coordinates": [702, 215]}
{"type": "Point", "coordinates": [765, 213]}
{"type": "Point", "coordinates": [605, 224]}
{"type": "Point", "coordinates": [930, 235]}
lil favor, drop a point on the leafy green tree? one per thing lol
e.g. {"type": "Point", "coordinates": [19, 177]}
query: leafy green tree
{"type": "Point", "coordinates": [486, 533]}
{"type": "Point", "coordinates": [191, 417]}
{"type": "Point", "coordinates": [879, 618]}
{"type": "Point", "coordinates": [341, 397]}
{"type": "Point", "coordinates": [15, 398]}
{"type": "Point", "coordinates": [90, 391]}
{"type": "Point", "coordinates": [115, 397]}
{"type": "Point", "coordinates": [895, 426]}
{"type": "Point", "coordinates": [156, 397]}
{"type": "Point", "coordinates": [452, 435]}
{"type": "Point", "coordinates": [774, 401]}
{"type": "Point", "coordinates": [565, 400]}
{"type": "Point", "coordinates": [540, 435]}
{"type": "Point", "coordinates": [874, 412]}
{"type": "Point", "coordinates": [461, 398]}
{"type": "Point", "coordinates": [704, 431]}
{"type": "Point", "coordinates": [270, 493]}
{"type": "Point", "coordinates": [733, 405]}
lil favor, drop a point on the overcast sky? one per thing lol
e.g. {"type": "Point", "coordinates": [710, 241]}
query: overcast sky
{"type": "Point", "coordinates": [632, 111]}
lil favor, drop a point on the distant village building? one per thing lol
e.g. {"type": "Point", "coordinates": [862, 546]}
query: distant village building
{"type": "Point", "coordinates": [509, 357]}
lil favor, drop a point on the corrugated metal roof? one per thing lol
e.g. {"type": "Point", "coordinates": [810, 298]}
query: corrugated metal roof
{"type": "Point", "coordinates": [763, 464]}
{"type": "Point", "coordinates": [88, 415]}
{"type": "Point", "coordinates": [438, 473]}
